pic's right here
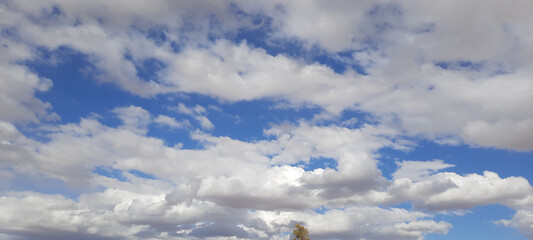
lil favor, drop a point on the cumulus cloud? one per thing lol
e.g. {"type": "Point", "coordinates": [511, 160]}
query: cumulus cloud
{"type": "Point", "coordinates": [501, 134]}
{"type": "Point", "coordinates": [29, 215]}
{"type": "Point", "coordinates": [363, 223]}
{"type": "Point", "coordinates": [19, 85]}
{"type": "Point", "coordinates": [133, 117]}
{"type": "Point", "coordinates": [450, 191]}
{"type": "Point", "coordinates": [522, 220]}
{"type": "Point", "coordinates": [207, 189]}
{"type": "Point", "coordinates": [459, 101]}
{"type": "Point", "coordinates": [206, 185]}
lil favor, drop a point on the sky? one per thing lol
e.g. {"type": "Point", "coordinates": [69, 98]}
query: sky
{"type": "Point", "coordinates": [217, 120]}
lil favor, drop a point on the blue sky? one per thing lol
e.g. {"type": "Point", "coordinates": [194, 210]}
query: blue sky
{"type": "Point", "coordinates": [235, 120]}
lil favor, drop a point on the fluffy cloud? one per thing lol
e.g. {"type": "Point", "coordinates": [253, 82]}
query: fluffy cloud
{"type": "Point", "coordinates": [501, 134]}
{"type": "Point", "coordinates": [30, 215]}
{"type": "Point", "coordinates": [421, 184]}
{"type": "Point", "coordinates": [363, 223]}
{"type": "Point", "coordinates": [207, 189]}
{"type": "Point", "coordinates": [465, 85]}
{"type": "Point", "coordinates": [522, 220]}
{"type": "Point", "coordinates": [137, 216]}
{"type": "Point", "coordinates": [19, 84]}
{"type": "Point", "coordinates": [192, 188]}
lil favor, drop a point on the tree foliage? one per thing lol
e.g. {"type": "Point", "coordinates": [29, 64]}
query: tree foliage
{"type": "Point", "coordinates": [300, 233]}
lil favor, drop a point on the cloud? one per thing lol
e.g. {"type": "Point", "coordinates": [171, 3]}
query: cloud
{"type": "Point", "coordinates": [171, 122]}
{"type": "Point", "coordinates": [384, 34]}
{"type": "Point", "coordinates": [213, 183]}
{"type": "Point", "coordinates": [133, 117]}
{"type": "Point", "coordinates": [416, 170]}
{"type": "Point", "coordinates": [380, 35]}
{"type": "Point", "coordinates": [447, 191]}
{"type": "Point", "coordinates": [19, 85]}
{"type": "Point", "coordinates": [504, 134]}
{"type": "Point", "coordinates": [220, 181]}
{"type": "Point", "coordinates": [29, 215]}
{"type": "Point", "coordinates": [522, 220]}
{"type": "Point", "coordinates": [197, 112]}
{"type": "Point", "coordinates": [416, 72]}
{"type": "Point", "coordinates": [363, 223]}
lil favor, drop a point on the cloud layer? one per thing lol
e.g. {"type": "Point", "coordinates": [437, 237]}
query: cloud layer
{"type": "Point", "coordinates": [412, 71]}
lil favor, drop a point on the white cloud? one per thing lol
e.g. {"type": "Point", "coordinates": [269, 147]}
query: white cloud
{"type": "Point", "coordinates": [228, 177]}
{"type": "Point", "coordinates": [400, 72]}
{"type": "Point", "coordinates": [333, 26]}
{"type": "Point", "coordinates": [399, 42]}
{"type": "Point", "coordinates": [19, 85]}
{"type": "Point", "coordinates": [29, 215]}
{"type": "Point", "coordinates": [197, 112]}
{"type": "Point", "coordinates": [416, 170]}
{"type": "Point", "coordinates": [361, 223]}
{"type": "Point", "coordinates": [522, 220]}
{"type": "Point", "coordinates": [218, 182]}
{"type": "Point", "coordinates": [133, 117]}
{"type": "Point", "coordinates": [171, 122]}
{"type": "Point", "coordinates": [238, 72]}
{"type": "Point", "coordinates": [15, 148]}
{"type": "Point", "coordinates": [447, 191]}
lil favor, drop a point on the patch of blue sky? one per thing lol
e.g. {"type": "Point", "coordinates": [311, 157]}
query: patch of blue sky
{"type": "Point", "coordinates": [47, 14]}
{"type": "Point", "coordinates": [466, 159]}
{"type": "Point", "coordinates": [340, 62]}
{"type": "Point", "coordinates": [173, 137]}
{"type": "Point", "coordinates": [76, 94]}
{"type": "Point", "coordinates": [320, 162]}
{"type": "Point", "coordinates": [161, 35]}
{"type": "Point", "coordinates": [247, 120]}
{"type": "Point", "coordinates": [110, 173]}
{"type": "Point", "coordinates": [386, 16]}
{"type": "Point", "coordinates": [426, 28]}
{"type": "Point", "coordinates": [479, 224]}
{"type": "Point", "coordinates": [261, 38]}
{"type": "Point", "coordinates": [54, 11]}
{"type": "Point", "coordinates": [321, 210]}
{"type": "Point", "coordinates": [354, 119]}
{"type": "Point", "coordinates": [492, 69]}
{"type": "Point", "coordinates": [259, 35]}
{"type": "Point", "coordinates": [404, 205]}
{"type": "Point", "coordinates": [257, 19]}
{"type": "Point", "coordinates": [158, 35]}
{"type": "Point", "coordinates": [10, 33]}
{"type": "Point", "coordinates": [383, 10]}
{"type": "Point", "coordinates": [148, 69]}
{"type": "Point", "coordinates": [381, 20]}
{"type": "Point", "coordinates": [74, 90]}
{"type": "Point", "coordinates": [142, 174]}
{"type": "Point", "coordinates": [291, 47]}
{"type": "Point", "coordinates": [461, 65]}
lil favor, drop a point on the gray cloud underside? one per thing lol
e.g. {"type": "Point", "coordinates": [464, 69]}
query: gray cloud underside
{"type": "Point", "coordinates": [219, 184]}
